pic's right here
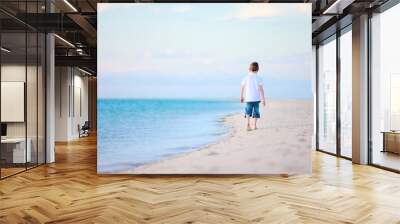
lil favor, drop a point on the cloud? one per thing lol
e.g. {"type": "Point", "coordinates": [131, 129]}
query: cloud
{"type": "Point", "coordinates": [161, 60]}
{"type": "Point", "coordinates": [306, 7]}
{"type": "Point", "coordinates": [104, 7]}
{"type": "Point", "coordinates": [183, 9]}
{"type": "Point", "coordinates": [257, 11]}
{"type": "Point", "coordinates": [267, 10]}
{"type": "Point", "coordinates": [167, 63]}
{"type": "Point", "coordinates": [289, 67]}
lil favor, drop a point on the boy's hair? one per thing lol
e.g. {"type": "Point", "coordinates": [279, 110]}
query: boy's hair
{"type": "Point", "coordinates": [254, 67]}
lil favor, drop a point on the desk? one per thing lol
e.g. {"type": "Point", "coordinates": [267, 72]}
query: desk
{"type": "Point", "coordinates": [391, 141]}
{"type": "Point", "coordinates": [15, 148]}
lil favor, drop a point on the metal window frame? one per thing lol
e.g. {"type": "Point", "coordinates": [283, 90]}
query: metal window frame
{"type": "Point", "coordinates": [0, 93]}
{"type": "Point", "coordinates": [338, 96]}
{"type": "Point", "coordinates": [337, 35]}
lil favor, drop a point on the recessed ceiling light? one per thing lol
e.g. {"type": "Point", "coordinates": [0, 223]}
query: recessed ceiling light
{"type": "Point", "coordinates": [335, 7]}
{"type": "Point", "coordinates": [84, 71]}
{"type": "Point", "coordinates": [70, 5]}
{"type": "Point", "coordinates": [64, 40]}
{"type": "Point", "coordinates": [5, 50]}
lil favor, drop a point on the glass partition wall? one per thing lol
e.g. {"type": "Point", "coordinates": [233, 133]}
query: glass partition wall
{"type": "Point", "coordinates": [13, 89]}
{"type": "Point", "coordinates": [334, 107]}
{"type": "Point", "coordinates": [385, 89]}
{"type": "Point", "coordinates": [22, 77]}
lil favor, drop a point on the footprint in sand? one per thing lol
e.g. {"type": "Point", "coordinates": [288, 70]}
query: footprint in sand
{"type": "Point", "coordinates": [212, 154]}
{"type": "Point", "coordinates": [256, 159]}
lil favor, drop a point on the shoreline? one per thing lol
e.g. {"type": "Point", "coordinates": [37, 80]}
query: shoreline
{"type": "Point", "coordinates": [239, 151]}
{"type": "Point", "coordinates": [176, 127]}
{"type": "Point", "coordinates": [228, 134]}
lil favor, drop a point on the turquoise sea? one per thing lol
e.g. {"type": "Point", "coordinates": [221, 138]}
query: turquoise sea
{"type": "Point", "coordinates": [132, 132]}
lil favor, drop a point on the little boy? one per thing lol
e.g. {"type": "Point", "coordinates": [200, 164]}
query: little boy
{"type": "Point", "coordinates": [252, 92]}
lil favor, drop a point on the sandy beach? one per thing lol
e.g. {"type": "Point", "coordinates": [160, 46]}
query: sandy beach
{"type": "Point", "coordinates": [280, 145]}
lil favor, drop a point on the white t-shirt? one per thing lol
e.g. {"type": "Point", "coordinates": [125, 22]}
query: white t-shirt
{"type": "Point", "coordinates": [252, 83]}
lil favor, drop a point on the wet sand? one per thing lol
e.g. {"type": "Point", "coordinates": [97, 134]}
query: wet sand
{"type": "Point", "coordinates": [280, 145]}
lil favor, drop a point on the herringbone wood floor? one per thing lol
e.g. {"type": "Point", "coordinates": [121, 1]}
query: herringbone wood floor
{"type": "Point", "coordinates": [70, 191]}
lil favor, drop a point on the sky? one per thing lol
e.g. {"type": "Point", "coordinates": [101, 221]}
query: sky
{"type": "Point", "coordinates": [181, 50]}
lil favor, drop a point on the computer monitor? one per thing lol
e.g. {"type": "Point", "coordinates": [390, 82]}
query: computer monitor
{"type": "Point", "coordinates": [3, 129]}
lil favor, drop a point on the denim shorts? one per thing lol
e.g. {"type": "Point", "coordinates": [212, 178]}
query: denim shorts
{"type": "Point", "coordinates": [252, 109]}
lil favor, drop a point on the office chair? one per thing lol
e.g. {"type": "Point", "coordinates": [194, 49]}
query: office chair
{"type": "Point", "coordinates": [84, 130]}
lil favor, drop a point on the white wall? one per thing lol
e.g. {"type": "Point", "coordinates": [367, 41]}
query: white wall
{"type": "Point", "coordinates": [15, 72]}
{"type": "Point", "coordinates": [33, 127]}
{"type": "Point", "coordinates": [62, 82]}
{"type": "Point", "coordinates": [70, 84]}
{"type": "Point", "coordinates": [79, 117]}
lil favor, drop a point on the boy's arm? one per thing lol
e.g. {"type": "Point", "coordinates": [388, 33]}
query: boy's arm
{"type": "Point", "coordinates": [262, 94]}
{"type": "Point", "coordinates": [241, 93]}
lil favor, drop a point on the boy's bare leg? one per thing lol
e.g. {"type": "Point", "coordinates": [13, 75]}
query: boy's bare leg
{"type": "Point", "coordinates": [248, 123]}
{"type": "Point", "coordinates": [255, 123]}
